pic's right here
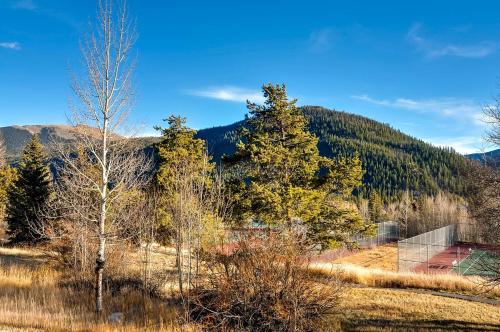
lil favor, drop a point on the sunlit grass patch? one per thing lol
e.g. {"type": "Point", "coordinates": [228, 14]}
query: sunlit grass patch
{"type": "Point", "coordinates": [387, 279]}
{"type": "Point", "coordinates": [376, 309]}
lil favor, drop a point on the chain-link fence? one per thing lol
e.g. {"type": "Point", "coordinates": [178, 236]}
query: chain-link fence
{"type": "Point", "coordinates": [387, 231]}
{"type": "Point", "coordinates": [470, 233]}
{"type": "Point", "coordinates": [415, 253]}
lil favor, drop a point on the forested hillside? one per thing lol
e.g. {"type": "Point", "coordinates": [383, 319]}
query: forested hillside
{"type": "Point", "coordinates": [392, 160]}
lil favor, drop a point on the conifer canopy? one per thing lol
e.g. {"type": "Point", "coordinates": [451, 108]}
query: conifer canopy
{"type": "Point", "coordinates": [29, 195]}
{"type": "Point", "coordinates": [284, 180]}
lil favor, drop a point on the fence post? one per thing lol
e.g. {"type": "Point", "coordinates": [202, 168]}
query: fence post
{"type": "Point", "coordinates": [397, 268]}
{"type": "Point", "coordinates": [427, 259]}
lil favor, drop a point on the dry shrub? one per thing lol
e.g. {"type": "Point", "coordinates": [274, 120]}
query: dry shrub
{"type": "Point", "coordinates": [264, 285]}
{"type": "Point", "coordinates": [76, 248]}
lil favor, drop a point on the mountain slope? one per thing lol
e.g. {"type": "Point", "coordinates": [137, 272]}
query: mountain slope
{"type": "Point", "coordinates": [393, 161]}
{"type": "Point", "coordinates": [493, 155]}
{"type": "Point", "coordinates": [16, 137]}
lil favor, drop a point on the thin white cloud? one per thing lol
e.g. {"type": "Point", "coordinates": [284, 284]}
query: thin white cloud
{"type": "Point", "coordinates": [466, 109]}
{"type": "Point", "coordinates": [322, 40]}
{"type": "Point", "coordinates": [436, 49]}
{"type": "Point", "coordinates": [234, 94]}
{"type": "Point", "coordinates": [148, 133]}
{"type": "Point", "coordinates": [463, 145]}
{"type": "Point", "coordinates": [24, 4]}
{"type": "Point", "coordinates": [11, 45]}
{"type": "Point", "coordinates": [30, 5]}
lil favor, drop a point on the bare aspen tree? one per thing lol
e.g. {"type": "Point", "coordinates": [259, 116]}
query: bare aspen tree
{"type": "Point", "coordinates": [191, 194]}
{"type": "Point", "coordinates": [199, 212]}
{"type": "Point", "coordinates": [492, 118]}
{"type": "Point", "coordinates": [187, 211]}
{"type": "Point", "coordinates": [405, 207]}
{"type": "Point", "coordinates": [104, 102]}
{"type": "Point", "coordinates": [2, 151]}
{"type": "Point", "coordinates": [143, 232]}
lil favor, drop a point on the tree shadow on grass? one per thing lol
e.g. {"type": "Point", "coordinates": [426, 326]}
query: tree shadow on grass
{"type": "Point", "coordinates": [23, 261]}
{"type": "Point", "coordinates": [415, 325]}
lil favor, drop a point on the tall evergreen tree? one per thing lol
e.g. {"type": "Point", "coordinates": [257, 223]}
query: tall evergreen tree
{"type": "Point", "coordinates": [183, 177]}
{"type": "Point", "coordinates": [183, 162]}
{"type": "Point", "coordinates": [375, 207]}
{"type": "Point", "coordinates": [284, 179]}
{"type": "Point", "coordinates": [180, 150]}
{"type": "Point", "coordinates": [29, 194]}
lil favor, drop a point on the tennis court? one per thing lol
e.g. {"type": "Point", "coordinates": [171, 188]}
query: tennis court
{"type": "Point", "coordinates": [444, 261]}
{"type": "Point", "coordinates": [478, 262]}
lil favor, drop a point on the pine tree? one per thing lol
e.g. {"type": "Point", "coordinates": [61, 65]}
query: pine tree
{"type": "Point", "coordinates": [29, 194]}
{"type": "Point", "coordinates": [284, 179]}
{"type": "Point", "coordinates": [180, 150]}
{"type": "Point", "coordinates": [183, 178]}
{"type": "Point", "coordinates": [375, 207]}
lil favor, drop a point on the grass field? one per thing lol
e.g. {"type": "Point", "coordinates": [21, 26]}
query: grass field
{"type": "Point", "coordinates": [388, 279]}
{"type": "Point", "coordinates": [376, 309]}
{"type": "Point", "coordinates": [31, 299]}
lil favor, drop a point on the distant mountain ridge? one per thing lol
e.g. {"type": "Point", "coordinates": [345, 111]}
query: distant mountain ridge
{"type": "Point", "coordinates": [16, 137]}
{"type": "Point", "coordinates": [393, 160]}
{"type": "Point", "coordinates": [494, 154]}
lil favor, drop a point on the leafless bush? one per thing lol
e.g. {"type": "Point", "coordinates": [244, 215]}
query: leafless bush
{"type": "Point", "coordinates": [264, 285]}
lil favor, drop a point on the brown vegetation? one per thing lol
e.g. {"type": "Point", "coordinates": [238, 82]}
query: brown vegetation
{"type": "Point", "coordinates": [386, 279]}
{"type": "Point", "coordinates": [33, 296]}
{"type": "Point", "coordinates": [263, 286]}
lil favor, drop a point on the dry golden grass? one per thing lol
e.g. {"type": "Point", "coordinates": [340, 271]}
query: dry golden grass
{"type": "Point", "coordinates": [387, 279]}
{"type": "Point", "coordinates": [375, 309]}
{"type": "Point", "coordinates": [381, 257]}
{"type": "Point", "coordinates": [31, 298]}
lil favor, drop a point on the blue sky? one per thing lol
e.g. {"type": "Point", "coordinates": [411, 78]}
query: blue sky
{"type": "Point", "coordinates": [425, 68]}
